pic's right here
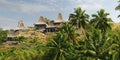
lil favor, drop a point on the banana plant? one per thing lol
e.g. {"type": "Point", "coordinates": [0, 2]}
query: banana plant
{"type": "Point", "coordinates": [60, 45]}
{"type": "Point", "coordinates": [97, 46]}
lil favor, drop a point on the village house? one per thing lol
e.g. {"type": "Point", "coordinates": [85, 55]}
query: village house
{"type": "Point", "coordinates": [52, 27]}
{"type": "Point", "coordinates": [13, 32]}
{"type": "Point", "coordinates": [41, 25]}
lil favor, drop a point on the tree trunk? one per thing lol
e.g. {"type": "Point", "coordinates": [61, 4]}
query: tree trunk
{"type": "Point", "coordinates": [82, 32]}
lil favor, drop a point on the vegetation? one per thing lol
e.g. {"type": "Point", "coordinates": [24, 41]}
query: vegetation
{"type": "Point", "coordinates": [47, 21]}
{"type": "Point", "coordinates": [118, 7]}
{"type": "Point", "coordinates": [79, 20]}
{"type": "Point", "coordinates": [100, 21]}
{"type": "Point", "coordinates": [3, 36]}
{"type": "Point", "coordinates": [101, 41]}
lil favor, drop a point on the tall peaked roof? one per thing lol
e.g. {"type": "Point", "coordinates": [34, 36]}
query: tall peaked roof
{"type": "Point", "coordinates": [41, 20]}
{"type": "Point", "coordinates": [59, 18]}
{"type": "Point", "coordinates": [20, 24]}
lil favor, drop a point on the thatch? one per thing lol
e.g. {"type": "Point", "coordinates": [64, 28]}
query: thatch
{"type": "Point", "coordinates": [20, 24]}
{"type": "Point", "coordinates": [59, 18]}
{"type": "Point", "coordinates": [41, 20]}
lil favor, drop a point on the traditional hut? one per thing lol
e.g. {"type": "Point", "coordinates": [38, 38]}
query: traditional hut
{"type": "Point", "coordinates": [51, 27]}
{"type": "Point", "coordinates": [59, 20]}
{"type": "Point", "coordinates": [11, 35]}
{"type": "Point", "coordinates": [40, 25]}
{"type": "Point", "coordinates": [20, 26]}
{"type": "Point", "coordinates": [13, 32]}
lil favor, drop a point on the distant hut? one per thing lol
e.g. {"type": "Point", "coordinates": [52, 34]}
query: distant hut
{"type": "Point", "coordinates": [20, 25]}
{"type": "Point", "coordinates": [13, 32]}
{"type": "Point", "coordinates": [50, 28]}
{"type": "Point", "coordinates": [11, 35]}
{"type": "Point", "coordinates": [40, 25]}
{"type": "Point", "coordinates": [59, 20]}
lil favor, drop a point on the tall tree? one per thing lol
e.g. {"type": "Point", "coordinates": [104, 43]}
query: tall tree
{"type": "Point", "coordinates": [101, 21]}
{"type": "Point", "coordinates": [79, 19]}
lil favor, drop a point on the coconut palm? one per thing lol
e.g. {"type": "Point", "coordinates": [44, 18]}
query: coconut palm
{"type": "Point", "coordinates": [118, 7]}
{"type": "Point", "coordinates": [101, 21]}
{"type": "Point", "coordinates": [79, 19]}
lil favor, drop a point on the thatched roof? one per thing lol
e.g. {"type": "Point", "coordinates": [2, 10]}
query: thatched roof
{"type": "Point", "coordinates": [59, 18]}
{"type": "Point", "coordinates": [41, 20]}
{"type": "Point", "coordinates": [20, 24]}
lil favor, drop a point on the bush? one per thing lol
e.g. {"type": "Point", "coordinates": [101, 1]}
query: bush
{"type": "Point", "coordinates": [3, 36]}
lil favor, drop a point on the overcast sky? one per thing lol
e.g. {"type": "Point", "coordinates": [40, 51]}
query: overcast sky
{"type": "Point", "coordinates": [11, 11]}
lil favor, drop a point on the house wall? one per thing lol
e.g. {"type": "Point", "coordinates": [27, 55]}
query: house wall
{"type": "Point", "coordinates": [40, 27]}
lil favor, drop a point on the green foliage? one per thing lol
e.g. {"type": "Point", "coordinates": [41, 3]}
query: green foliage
{"type": "Point", "coordinates": [79, 19]}
{"type": "Point", "coordinates": [25, 52]}
{"type": "Point", "coordinates": [118, 7]}
{"type": "Point", "coordinates": [47, 20]}
{"type": "Point", "coordinates": [98, 46]}
{"type": "Point", "coordinates": [101, 21]}
{"type": "Point", "coordinates": [65, 45]}
{"type": "Point", "coordinates": [69, 32]}
{"type": "Point", "coordinates": [3, 36]}
{"type": "Point", "coordinates": [20, 38]}
{"type": "Point", "coordinates": [58, 47]}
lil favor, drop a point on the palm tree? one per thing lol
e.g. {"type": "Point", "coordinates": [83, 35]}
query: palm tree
{"type": "Point", "coordinates": [79, 19]}
{"type": "Point", "coordinates": [118, 8]}
{"type": "Point", "coordinates": [101, 21]}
